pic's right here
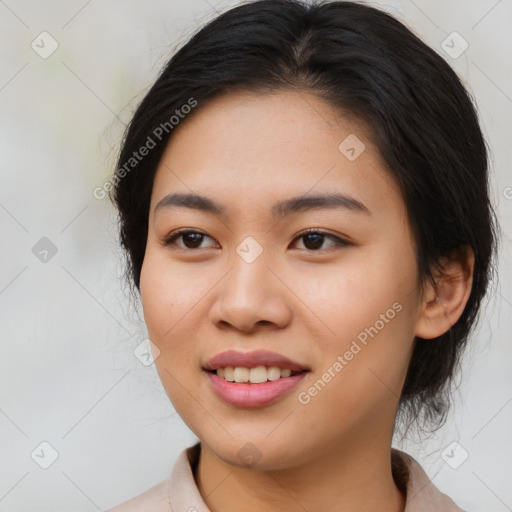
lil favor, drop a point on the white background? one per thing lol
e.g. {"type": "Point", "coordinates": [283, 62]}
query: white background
{"type": "Point", "coordinates": [68, 328]}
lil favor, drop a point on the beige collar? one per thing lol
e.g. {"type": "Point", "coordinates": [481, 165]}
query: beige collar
{"type": "Point", "coordinates": [179, 493]}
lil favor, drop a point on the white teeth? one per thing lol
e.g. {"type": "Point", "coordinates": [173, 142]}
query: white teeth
{"type": "Point", "coordinates": [241, 374]}
{"type": "Point", "coordinates": [273, 373]}
{"type": "Point", "coordinates": [256, 375]}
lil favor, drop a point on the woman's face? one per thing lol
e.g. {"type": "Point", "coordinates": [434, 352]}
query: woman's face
{"type": "Point", "coordinates": [249, 288]}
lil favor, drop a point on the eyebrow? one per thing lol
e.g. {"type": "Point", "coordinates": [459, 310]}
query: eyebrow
{"type": "Point", "coordinates": [279, 210]}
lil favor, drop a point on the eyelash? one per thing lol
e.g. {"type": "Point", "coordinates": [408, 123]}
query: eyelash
{"type": "Point", "coordinates": [339, 242]}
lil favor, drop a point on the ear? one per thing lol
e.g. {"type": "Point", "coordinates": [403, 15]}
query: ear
{"type": "Point", "coordinates": [443, 302]}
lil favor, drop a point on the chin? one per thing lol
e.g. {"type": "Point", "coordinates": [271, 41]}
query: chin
{"type": "Point", "coordinates": [255, 453]}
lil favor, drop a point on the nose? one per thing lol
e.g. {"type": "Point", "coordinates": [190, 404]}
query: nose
{"type": "Point", "coordinates": [250, 297]}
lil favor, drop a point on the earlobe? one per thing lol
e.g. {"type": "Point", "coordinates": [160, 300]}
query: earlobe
{"type": "Point", "coordinates": [444, 302]}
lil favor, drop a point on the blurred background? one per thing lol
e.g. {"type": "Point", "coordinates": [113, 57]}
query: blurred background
{"type": "Point", "coordinates": [84, 421]}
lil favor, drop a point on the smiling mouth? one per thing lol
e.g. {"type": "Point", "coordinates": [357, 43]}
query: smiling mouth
{"type": "Point", "coordinates": [256, 375]}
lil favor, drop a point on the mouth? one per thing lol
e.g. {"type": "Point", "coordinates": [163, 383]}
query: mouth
{"type": "Point", "coordinates": [253, 379]}
{"type": "Point", "coordinates": [256, 375]}
{"type": "Point", "coordinates": [236, 358]}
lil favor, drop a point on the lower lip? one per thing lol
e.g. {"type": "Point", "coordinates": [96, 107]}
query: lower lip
{"type": "Point", "coordinates": [253, 395]}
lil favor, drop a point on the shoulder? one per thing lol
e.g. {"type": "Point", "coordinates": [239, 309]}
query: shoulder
{"type": "Point", "coordinates": [155, 499]}
{"type": "Point", "coordinates": [421, 494]}
{"type": "Point", "coordinates": [176, 493]}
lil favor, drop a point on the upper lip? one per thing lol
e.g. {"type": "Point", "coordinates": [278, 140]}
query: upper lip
{"type": "Point", "coordinates": [251, 360]}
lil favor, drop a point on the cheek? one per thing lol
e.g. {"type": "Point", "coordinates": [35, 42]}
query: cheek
{"type": "Point", "coordinates": [369, 306]}
{"type": "Point", "coordinates": [157, 298]}
{"type": "Point", "coordinates": [169, 295]}
{"type": "Point", "coordinates": [168, 300]}
{"type": "Point", "coordinates": [353, 295]}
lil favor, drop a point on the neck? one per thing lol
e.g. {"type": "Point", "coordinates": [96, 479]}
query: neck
{"type": "Point", "coordinates": [345, 478]}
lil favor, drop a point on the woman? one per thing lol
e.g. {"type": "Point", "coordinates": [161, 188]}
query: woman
{"type": "Point", "coordinates": [304, 205]}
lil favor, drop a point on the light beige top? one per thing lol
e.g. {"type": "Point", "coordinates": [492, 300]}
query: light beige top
{"type": "Point", "coordinates": [179, 493]}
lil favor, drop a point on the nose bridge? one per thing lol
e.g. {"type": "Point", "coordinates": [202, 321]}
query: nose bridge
{"type": "Point", "coordinates": [250, 293]}
{"type": "Point", "coordinates": [249, 278]}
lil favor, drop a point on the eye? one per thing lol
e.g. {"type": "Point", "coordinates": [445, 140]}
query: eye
{"type": "Point", "coordinates": [314, 239]}
{"type": "Point", "coordinates": [191, 239]}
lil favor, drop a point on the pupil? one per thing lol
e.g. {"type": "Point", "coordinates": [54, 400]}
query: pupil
{"type": "Point", "coordinates": [316, 238]}
{"type": "Point", "coordinates": [196, 239]}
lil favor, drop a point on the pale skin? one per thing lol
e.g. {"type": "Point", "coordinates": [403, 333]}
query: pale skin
{"type": "Point", "coordinates": [247, 152]}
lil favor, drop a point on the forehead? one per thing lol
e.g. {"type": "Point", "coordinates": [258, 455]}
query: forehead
{"type": "Point", "coordinates": [250, 149]}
